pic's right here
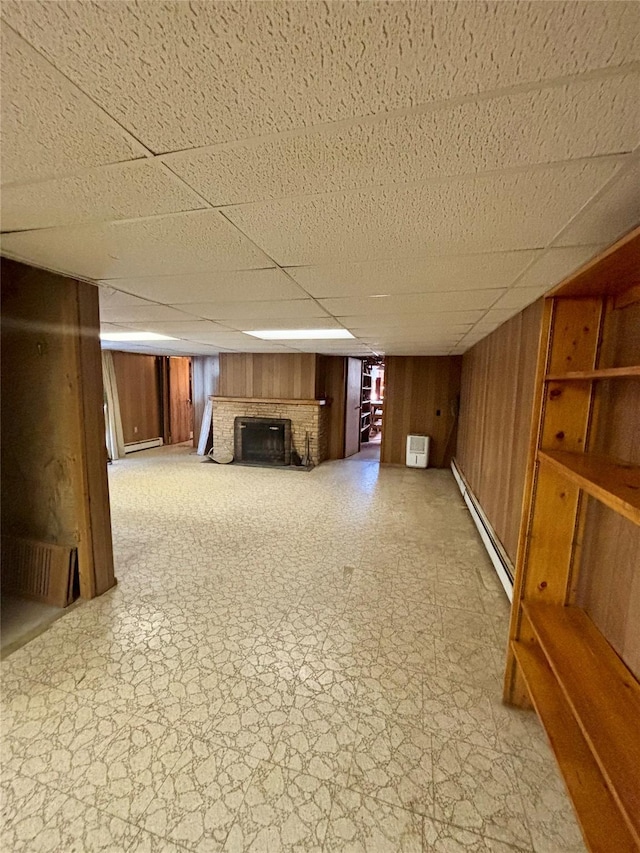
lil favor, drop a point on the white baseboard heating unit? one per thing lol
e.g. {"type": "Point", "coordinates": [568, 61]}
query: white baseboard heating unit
{"type": "Point", "coordinates": [498, 556]}
{"type": "Point", "coordinates": [143, 445]}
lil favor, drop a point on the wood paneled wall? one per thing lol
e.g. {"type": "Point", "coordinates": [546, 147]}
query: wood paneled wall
{"type": "Point", "coordinates": [54, 460]}
{"type": "Point", "coordinates": [205, 370]}
{"type": "Point", "coordinates": [277, 375]}
{"type": "Point", "coordinates": [421, 396]}
{"type": "Point", "coordinates": [139, 392]}
{"type": "Point", "coordinates": [609, 584]}
{"type": "Point", "coordinates": [496, 402]}
{"type": "Point", "coordinates": [331, 385]}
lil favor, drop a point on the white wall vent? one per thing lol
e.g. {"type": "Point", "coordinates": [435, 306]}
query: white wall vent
{"type": "Point", "coordinates": [417, 451]}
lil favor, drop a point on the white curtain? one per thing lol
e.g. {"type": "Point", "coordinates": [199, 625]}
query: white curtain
{"type": "Point", "coordinates": [113, 420]}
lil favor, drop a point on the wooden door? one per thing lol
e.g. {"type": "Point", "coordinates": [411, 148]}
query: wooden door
{"type": "Point", "coordinates": [353, 407]}
{"type": "Point", "coordinates": [180, 411]}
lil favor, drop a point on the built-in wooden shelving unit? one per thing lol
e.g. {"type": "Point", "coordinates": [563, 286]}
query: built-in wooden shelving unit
{"type": "Point", "coordinates": [592, 375]}
{"type": "Point", "coordinates": [586, 697]}
{"type": "Point", "coordinates": [365, 410]}
{"type": "Point", "coordinates": [615, 484]}
{"type": "Point", "coordinates": [585, 783]}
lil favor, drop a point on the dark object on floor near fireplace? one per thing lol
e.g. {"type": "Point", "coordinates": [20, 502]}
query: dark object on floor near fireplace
{"type": "Point", "coordinates": [262, 441]}
{"type": "Point", "coordinates": [295, 458]}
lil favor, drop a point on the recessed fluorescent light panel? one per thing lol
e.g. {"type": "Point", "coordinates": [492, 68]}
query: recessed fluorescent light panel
{"type": "Point", "coordinates": [301, 334]}
{"type": "Point", "coordinates": [134, 337]}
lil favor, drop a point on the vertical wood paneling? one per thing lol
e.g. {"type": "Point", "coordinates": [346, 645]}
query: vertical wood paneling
{"type": "Point", "coordinates": [495, 420]}
{"type": "Point", "coordinates": [291, 377]}
{"type": "Point", "coordinates": [137, 381]}
{"type": "Point", "coordinates": [331, 386]}
{"type": "Point", "coordinates": [54, 479]}
{"type": "Point", "coordinates": [417, 388]}
{"type": "Point", "coordinates": [205, 370]}
{"type": "Point", "coordinates": [609, 586]}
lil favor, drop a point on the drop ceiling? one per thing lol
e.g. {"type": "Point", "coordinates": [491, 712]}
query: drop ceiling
{"type": "Point", "coordinates": [414, 172]}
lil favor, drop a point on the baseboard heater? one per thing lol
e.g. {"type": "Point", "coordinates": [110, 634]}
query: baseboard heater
{"type": "Point", "coordinates": [143, 445]}
{"type": "Point", "coordinates": [39, 570]}
{"type": "Point", "coordinates": [498, 556]}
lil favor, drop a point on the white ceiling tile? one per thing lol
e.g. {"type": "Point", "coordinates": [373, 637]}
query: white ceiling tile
{"type": "Point", "coordinates": [271, 66]}
{"type": "Point", "coordinates": [488, 213]}
{"type": "Point", "coordinates": [191, 329]}
{"type": "Point", "coordinates": [584, 118]}
{"type": "Point", "coordinates": [413, 275]}
{"type": "Point", "coordinates": [467, 300]}
{"type": "Point", "coordinates": [441, 320]}
{"type": "Point", "coordinates": [500, 315]}
{"type": "Point", "coordinates": [334, 347]}
{"type": "Point", "coordinates": [140, 313]}
{"type": "Point", "coordinates": [410, 322]}
{"type": "Point", "coordinates": [554, 264]}
{"type": "Point", "coordinates": [518, 298]}
{"type": "Point", "coordinates": [170, 348]}
{"type": "Point", "coordinates": [294, 308]}
{"type": "Point", "coordinates": [48, 125]}
{"type": "Point", "coordinates": [223, 337]}
{"type": "Point", "coordinates": [123, 191]}
{"type": "Point", "coordinates": [175, 244]}
{"type": "Point", "coordinates": [108, 297]}
{"type": "Point", "coordinates": [421, 350]}
{"type": "Point", "coordinates": [612, 214]}
{"type": "Point", "coordinates": [236, 285]}
{"type": "Point", "coordinates": [251, 323]}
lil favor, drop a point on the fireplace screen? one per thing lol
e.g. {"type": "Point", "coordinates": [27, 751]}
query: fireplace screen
{"type": "Point", "coordinates": [262, 441]}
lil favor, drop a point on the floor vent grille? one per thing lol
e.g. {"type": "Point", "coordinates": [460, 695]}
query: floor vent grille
{"type": "Point", "coordinates": [38, 570]}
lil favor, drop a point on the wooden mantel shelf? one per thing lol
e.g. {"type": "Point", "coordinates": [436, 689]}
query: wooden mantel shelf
{"type": "Point", "coordinates": [278, 400]}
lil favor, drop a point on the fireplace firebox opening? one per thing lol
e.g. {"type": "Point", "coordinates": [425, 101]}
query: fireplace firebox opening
{"type": "Point", "coordinates": [262, 441]}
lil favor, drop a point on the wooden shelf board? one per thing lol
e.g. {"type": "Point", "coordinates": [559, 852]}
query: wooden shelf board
{"type": "Point", "coordinates": [614, 484]}
{"type": "Point", "coordinates": [602, 373]}
{"type": "Point", "coordinates": [603, 695]}
{"type": "Point", "coordinates": [603, 826]}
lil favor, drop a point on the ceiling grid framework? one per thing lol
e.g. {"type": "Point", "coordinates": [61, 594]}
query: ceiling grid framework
{"type": "Point", "coordinates": [416, 173]}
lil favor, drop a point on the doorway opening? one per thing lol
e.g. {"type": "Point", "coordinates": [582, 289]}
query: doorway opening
{"type": "Point", "coordinates": [372, 401]}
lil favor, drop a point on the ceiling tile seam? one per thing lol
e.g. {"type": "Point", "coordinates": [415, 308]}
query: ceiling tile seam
{"type": "Point", "coordinates": [102, 283]}
{"type": "Point", "coordinates": [106, 281]}
{"type": "Point", "coordinates": [284, 269]}
{"type": "Point", "coordinates": [440, 180]}
{"type": "Point", "coordinates": [331, 127]}
{"type": "Point", "coordinates": [618, 175]}
{"type": "Point", "coordinates": [124, 221]}
{"type": "Point", "coordinates": [147, 152]}
{"type": "Point", "coordinates": [78, 173]}
{"type": "Point", "coordinates": [278, 266]}
{"type": "Point", "coordinates": [13, 256]}
{"type": "Point", "coordinates": [414, 292]}
{"type": "Point", "coordinates": [418, 258]}
{"type": "Point", "coordinates": [99, 283]}
{"type": "Point", "coordinates": [179, 179]}
{"type": "Point", "coordinates": [75, 277]}
{"type": "Point", "coordinates": [446, 180]}
{"type": "Point", "coordinates": [328, 128]}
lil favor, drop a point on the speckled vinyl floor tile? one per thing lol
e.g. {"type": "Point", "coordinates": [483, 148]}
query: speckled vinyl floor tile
{"type": "Point", "coordinates": [288, 663]}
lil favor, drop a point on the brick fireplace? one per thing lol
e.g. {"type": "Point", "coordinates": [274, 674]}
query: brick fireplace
{"type": "Point", "coordinates": [305, 415]}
